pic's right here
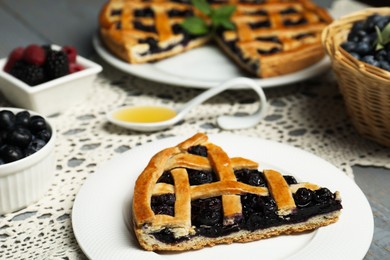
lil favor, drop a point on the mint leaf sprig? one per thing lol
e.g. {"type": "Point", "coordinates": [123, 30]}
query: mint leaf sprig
{"type": "Point", "coordinates": [383, 37]}
{"type": "Point", "coordinates": [219, 17]}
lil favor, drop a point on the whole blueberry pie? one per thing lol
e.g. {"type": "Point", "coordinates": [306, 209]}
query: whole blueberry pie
{"type": "Point", "coordinates": [193, 195]}
{"type": "Point", "coordinates": [268, 38]}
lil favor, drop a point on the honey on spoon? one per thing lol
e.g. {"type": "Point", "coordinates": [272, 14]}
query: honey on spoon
{"type": "Point", "coordinates": [154, 118]}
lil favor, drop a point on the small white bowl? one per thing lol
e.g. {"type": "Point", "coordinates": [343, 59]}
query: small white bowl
{"type": "Point", "coordinates": [24, 181]}
{"type": "Point", "coordinates": [53, 96]}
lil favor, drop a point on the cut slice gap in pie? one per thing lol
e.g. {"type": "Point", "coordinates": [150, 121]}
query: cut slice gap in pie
{"type": "Point", "coordinates": [271, 37]}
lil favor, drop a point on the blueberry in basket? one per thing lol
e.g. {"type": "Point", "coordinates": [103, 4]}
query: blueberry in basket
{"type": "Point", "coordinates": [369, 41]}
{"type": "Point", "coordinates": [21, 134]}
{"type": "Point", "coordinates": [37, 64]}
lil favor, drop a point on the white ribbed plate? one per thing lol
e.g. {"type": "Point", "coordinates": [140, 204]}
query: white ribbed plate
{"type": "Point", "coordinates": [102, 205]}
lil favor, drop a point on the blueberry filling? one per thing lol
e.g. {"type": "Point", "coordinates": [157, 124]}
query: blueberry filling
{"type": "Point", "coordinates": [290, 179]}
{"type": "Point", "coordinates": [217, 1]}
{"type": "Point", "coordinates": [251, 177]}
{"type": "Point", "coordinates": [166, 177]}
{"type": "Point", "coordinates": [207, 212]}
{"type": "Point", "coordinates": [200, 177]}
{"type": "Point", "coordinates": [181, 1]}
{"type": "Point", "coordinates": [261, 24]}
{"type": "Point", "coordinates": [270, 51]}
{"type": "Point", "coordinates": [252, 1]}
{"type": "Point", "coordinates": [146, 12]}
{"type": "Point", "coordinates": [180, 13]}
{"type": "Point", "coordinates": [118, 25]}
{"type": "Point", "coordinates": [232, 45]}
{"type": "Point", "coordinates": [258, 12]}
{"type": "Point", "coordinates": [163, 204]}
{"type": "Point", "coordinates": [153, 44]}
{"type": "Point", "coordinates": [116, 12]}
{"type": "Point", "coordinates": [258, 212]}
{"type": "Point", "coordinates": [268, 39]}
{"type": "Point", "coordinates": [142, 27]}
{"type": "Point", "coordinates": [198, 150]}
{"type": "Point", "coordinates": [303, 35]}
{"type": "Point", "coordinates": [289, 10]}
{"type": "Point", "coordinates": [289, 22]}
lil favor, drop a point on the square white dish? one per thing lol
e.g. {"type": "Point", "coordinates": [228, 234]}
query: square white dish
{"type": "Point", "coordinates": [53, 96]}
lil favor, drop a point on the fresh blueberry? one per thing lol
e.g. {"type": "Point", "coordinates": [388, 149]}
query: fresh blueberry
{"type": "Point", "coordinates": [355, 55]}
{"type": "Point", "coordinates": [3, 136]}
{"type": "Point", "coordinates": [349, 46]}
{"type": "Point", "coordinates": [370, 59]}
{"type": "Point", "coordinates": [19, 136]}
{"type": "Point", "coordinates": [22, 118]}
{"type": "Point", "coordinates": [385, 65]}
{"type": "Point", "coordinates": [7, 120]}
{"type": "Point", "coordinates": [44, 134]}
{"type": "Point", "coordinates": [11, 153]}
{"type": "Point", "coordinates": [358, 26]}
{"type": "Point", "coordinates": [383, 22]}
{"type": "Point", "coordinates": [34, 146]}
{"type": "Point", "coordinates": [363, 48]}
{"type": "Point", "coordinates": [372, 21]}
{"type": "Point", "coordinates": [37, 123]}
{"type": "Point", "coordinates": [381, 55]}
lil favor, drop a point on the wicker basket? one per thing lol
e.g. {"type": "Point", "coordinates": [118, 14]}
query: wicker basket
{"type": "Point", "coordinates": [365, 88]}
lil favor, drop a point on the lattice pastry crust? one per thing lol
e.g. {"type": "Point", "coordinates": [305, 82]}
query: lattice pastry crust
{"type": "Point", "coordinates": [179, 230]}
{"type": "Point", "coordinates": [272, 37]}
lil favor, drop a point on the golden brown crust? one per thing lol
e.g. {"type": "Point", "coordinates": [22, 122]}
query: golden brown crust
{"type": "Point", "coordinates": [173, 159]}
{"type": "Point", "coordinates": [240, 237]}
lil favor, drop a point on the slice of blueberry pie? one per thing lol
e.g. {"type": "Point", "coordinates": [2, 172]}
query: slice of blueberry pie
{"type": "Point", "coordinates": [270, 37]}
{"type": "Point", "coordinates": [193, 195]}
{"type": "Point", "coordinates": [141, 31]}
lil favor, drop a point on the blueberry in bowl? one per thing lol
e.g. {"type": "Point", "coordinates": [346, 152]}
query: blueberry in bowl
{"type": "Point", "coordinates": [369, 41]}
{"type": "Point", "coordinates": [27, 159]}
{"type": "Point", "coordinates": [359, 47]}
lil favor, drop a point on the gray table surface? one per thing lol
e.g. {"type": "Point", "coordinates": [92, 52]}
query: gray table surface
{"type": "Point", "coordinates": [72, 22]}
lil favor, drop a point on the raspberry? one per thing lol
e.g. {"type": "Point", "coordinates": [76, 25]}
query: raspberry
{"type": "Point", "coordinates": [57, 64]}
{"type": "Point", "coordinates": [34, 54]}
{"type": "Point", "coordinates": [71, 52]}
{"type": "Point", "coordinates": [13, 57]}
{"type": "Point", "coordinates": [74, 67]}
{"type": "Point", "coordinates": [28, 73]}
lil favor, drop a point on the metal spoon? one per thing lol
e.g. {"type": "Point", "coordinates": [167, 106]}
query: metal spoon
{"type": "Point", "coordinates": [225, 121]}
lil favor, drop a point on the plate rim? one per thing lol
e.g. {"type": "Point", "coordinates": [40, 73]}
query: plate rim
{"type": "Point", "coordinates": [359, 252]}
{"type": "Point", "coordinates": [159, 76]}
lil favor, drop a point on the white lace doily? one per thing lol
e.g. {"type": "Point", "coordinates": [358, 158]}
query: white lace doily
{"type": "Point", "coordinates": [307, 115]}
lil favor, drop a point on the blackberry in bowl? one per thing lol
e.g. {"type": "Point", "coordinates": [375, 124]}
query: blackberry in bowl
{"type": "Point", "coordinates": [27, 159]}
{"type": "Point", "coordinates": [360, 61]}
{"type": "Point", "coordinates": [47, 79]}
